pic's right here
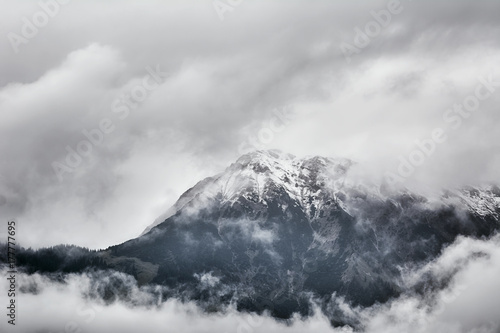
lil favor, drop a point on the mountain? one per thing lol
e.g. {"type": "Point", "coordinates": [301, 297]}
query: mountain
{"type": "Point", "coordinates": [274, 231]}
{"type": "Point", "coordinates": [273, 227]}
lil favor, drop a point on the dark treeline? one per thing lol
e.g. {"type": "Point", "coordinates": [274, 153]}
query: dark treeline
{"type": "Point", "coordinates": [60, 258]}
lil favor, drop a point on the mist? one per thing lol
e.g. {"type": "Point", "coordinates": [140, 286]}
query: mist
{"type": "Point", "coordinates": [469, 301]}
{"type": "Point", "coordinates": [215, 85]}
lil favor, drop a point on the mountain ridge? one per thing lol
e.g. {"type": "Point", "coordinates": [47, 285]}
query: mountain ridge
{"type": "Point", "coordinates": [483, 200]}
{"type": "Point", "coordinates": [287, 214]}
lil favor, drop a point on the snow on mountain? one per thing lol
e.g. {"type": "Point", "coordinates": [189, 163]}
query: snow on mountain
{"type": "Point", "coordinates": [257, 175]}
{"type": "Point", "coordinates": [483, 201]}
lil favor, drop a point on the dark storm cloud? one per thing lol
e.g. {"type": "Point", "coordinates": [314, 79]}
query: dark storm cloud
{"type": "Point", "coordinates": [221, 82]}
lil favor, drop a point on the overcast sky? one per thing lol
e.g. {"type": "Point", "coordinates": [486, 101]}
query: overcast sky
{"type": "Point", "coordinates": [209, 82]}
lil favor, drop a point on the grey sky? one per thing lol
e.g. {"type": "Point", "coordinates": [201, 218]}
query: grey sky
{"type": "Point", "coordinates": [221, 82]}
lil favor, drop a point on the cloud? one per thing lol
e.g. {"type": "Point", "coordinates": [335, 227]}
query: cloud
{"type": "Point", "coordinates": [467, 302]}
{"type": "Point", "coordinates": [223, 80]}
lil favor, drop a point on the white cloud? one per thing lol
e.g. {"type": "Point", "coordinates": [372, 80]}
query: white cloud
{"type": "Point", "coordinates": [469, 303]}
{"type": "Point", "coordinates": [224, 81]}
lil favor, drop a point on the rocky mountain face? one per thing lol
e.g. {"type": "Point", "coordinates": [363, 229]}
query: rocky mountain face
{"type": "Point", "coordinates": [273, 231]}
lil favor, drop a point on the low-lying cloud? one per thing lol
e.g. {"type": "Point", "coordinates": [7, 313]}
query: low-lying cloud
{"type": "Point", "coordinates": [468, 301]}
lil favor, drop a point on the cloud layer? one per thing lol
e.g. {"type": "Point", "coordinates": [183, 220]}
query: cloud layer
{"type": "Point", "coordinates": [221, 82]}
{"type": "Point", "coordinates": [469, 302]}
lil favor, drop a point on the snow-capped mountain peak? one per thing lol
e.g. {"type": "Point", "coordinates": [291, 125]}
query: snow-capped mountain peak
{"type": "Point", "coordinates": [311, 183]}
{"type": "Point", "coordinates": [259, 175]}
